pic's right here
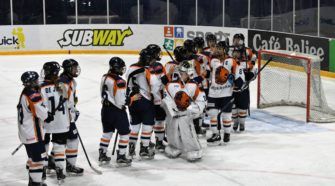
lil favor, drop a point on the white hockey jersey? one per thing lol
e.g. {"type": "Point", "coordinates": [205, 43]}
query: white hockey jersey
{"type": "Point", "coordinates": [71, 89]}
{"type": "Point", "coordinates": [197, 96]}
{"type": "Point", "coordinates": [31, 116]}
{"type": "Point", "coordinates": [53, 99]}
{"type": "Point", "coordinates": [140, 78]}
{"type": "Point", "coordinates": [223, 74]}
{"type": "Point", "coordinates": [157, 71]}
{"type": "Point", "coordinates": [113, 88]}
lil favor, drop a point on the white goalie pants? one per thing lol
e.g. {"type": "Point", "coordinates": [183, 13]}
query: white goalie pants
{"type": "Point", "coordinates": [182, 138]}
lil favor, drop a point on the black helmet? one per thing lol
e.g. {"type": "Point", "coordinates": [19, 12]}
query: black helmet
{"type": "Point", "coordinates": [240, 37]}
{"type": "Point", "coordinates": [189, 46]}
{"type": "Point", "coordinates": [29, 78]}
{"type": "Point", "coordinates": [179, 53]}
{"type": "Point", "coordinates": [51, 70]}
{"type": "Point", "coordinates": [211, 37]}
{"type": "Point", "coordinates": [155, 50]}
{"type": "Point", "coordinates": [224, 45]}
{"type": "Point", "coordinates": [145, 57]}
{"type": "Point", "coordinates": [117, 66]}
{"type": "Point", "coordinates": [199, 42]}
{"type": "Point", "coordinates": [69, 65]}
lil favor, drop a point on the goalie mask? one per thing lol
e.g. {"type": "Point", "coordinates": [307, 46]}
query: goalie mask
{"type": "Point", "coordinates": [182, 100]}
{"type": "Point", "coordinates": [186, 70]}
{"type": "Point", "coordinates": [221, 75]}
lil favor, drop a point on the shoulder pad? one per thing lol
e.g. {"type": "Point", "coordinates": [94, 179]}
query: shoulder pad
{"type": "Point", "coordinates": [33, 95]}
{"type": "Point", "coordinates": [121, 83]}
{"type": "Point", "coordinates": [156, 68]}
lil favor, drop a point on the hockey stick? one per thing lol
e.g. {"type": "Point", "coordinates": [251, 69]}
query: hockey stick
{"type": "Point", "coordinates": [114, 147]}
{"type": "Point", "coordinates": [88, 160]}
{"type": "Point", "coordinates": [17, 149]}
{"type": "Point", "coordinates": [244, 86]}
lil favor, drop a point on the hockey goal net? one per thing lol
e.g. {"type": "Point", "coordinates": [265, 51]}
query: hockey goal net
{"type": "Point", "coordinates": [293, 79]}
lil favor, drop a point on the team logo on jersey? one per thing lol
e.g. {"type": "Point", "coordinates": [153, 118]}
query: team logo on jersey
{"type": "Point", "coordinates": [94, 37]}
{"type": "Point", "coordinates": [16, 39]}
{"type": "Point", "coordinates": [173, 36]}
{"type": "Point", "coordinates": [182, 100]}
{"type": "Point", "coordinates": [221, 75]}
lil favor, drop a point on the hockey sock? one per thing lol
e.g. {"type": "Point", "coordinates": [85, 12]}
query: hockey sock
{"type": "Point", "coordinates": [133, 136]}
{"type": "Point", "coordinates": [72, 150]}
{"type": "Point", "coordinates": [104, 141]}
{"type": "Point", "coordinates": [226, 120]}
{"type": "Point", "coordinates": [235, 115]}
{"type": "Point", "coordinates": [146, 135]}
{"type": "Point", "coordinates": [159, 130]}
{"type": "Point", "coordinates": [123, 143]}
{"type": "Point", "coordinates": [59, 154]}
{"type": "Point", "coordinates": [36, 170]}
{"type": "Point", "coordinates": [242, 114]}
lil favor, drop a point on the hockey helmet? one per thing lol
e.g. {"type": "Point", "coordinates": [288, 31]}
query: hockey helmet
{"type": "Point", "coordinates": [117, 66]}
{"type": "Point", "coordinates": [221, 75]}
{"type": "Point", "coordinates": [145, 57]}
{"type": "Point", "coordinates": [199, 42]}
{"type": "Point", "coordinates": [71, 67]}
{"type": "Point", "coordinates": [189, 46]}
{"type": "Point", "coordinates": [211, 37]}
{"type": "Point", "coordinates": [179, 53]}
{"type": "Point", "coordinates": [238, 39]}
{"type": "Point", "coordinates": [30, 78]}
{"type": "Point", "coordinates": [182, 100]}
{"type": "Point", "coordinates": [156, 51]}
{"type": "Point", "coordinates": [50, 70]}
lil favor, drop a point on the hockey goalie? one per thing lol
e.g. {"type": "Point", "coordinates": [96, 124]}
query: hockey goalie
{"type": "Point", "coordinates": [183, 102]}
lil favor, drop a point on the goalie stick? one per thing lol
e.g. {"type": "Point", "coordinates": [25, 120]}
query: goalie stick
{"type": "Point", "coordinates": [244, 86]}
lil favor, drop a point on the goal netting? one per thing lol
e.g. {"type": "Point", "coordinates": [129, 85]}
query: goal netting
{"type": "Point", "coordinates": [293, 79]}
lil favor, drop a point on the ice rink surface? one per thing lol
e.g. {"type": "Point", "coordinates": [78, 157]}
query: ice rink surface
{"type": "Point", "coordinates": [273, 150]}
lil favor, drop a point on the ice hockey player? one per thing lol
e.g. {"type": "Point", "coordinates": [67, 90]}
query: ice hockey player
{"type": "Point", "coordinates": [225, 76]}
{"type": "Point", "coordinates": [200, 68]}
{"type": "Point", "coordinates": [71, 70]}
{"type": "Point", "coordinates": [246, 59]}
{"type": "Point", "coordinates": [158, 70]}
{"type": "Point", "coordinates": [141, 107]}
{"type": "Point", "coordinates": [211, 43]}
{"type": "Point", "coordinates": [55, 99]}
{"type": "Point", "coordinates": [31, 116]}
{"type": "Point", "coordinates": [183, 103]}
{"type": "Point", "coordinates": [113, 112]}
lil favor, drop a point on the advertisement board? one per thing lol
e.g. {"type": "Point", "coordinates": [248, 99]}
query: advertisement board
{"type": "Point", "coordinates": [299, 43]}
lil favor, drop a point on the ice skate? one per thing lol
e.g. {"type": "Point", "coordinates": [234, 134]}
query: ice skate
{"type": "Point", "coordinates": [73, 170]}
{"type": "Point", "coordinates": [214, 140]}
{"type": "Point", "coordinates": [103, 158]}
{"type": "Point", "coordinates": [131, 149]}
{"type": "Point", "coordinates": [159, 146]}
{"type": "Point", "coordinates": [60, 175]}
{"type": "Point", "coordinates": [122, 160]}
{"type": "Point", "coordinates": [226, 138]}
{"type": "Point", "coordinates": [242, 127]}
{"type": "Point", "coordinates": [147, 152]}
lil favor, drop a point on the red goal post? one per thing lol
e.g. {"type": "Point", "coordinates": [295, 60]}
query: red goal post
{"type": "Point", "coordinates": [293, 79]}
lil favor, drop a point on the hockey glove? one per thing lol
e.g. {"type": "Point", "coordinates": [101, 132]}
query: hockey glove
{"type": "Point", "coordinates": [249, 76]}
{"type": "Point", "coordinates": [77, 113]}
{"type": "Point", "coordinates": [50, 118]}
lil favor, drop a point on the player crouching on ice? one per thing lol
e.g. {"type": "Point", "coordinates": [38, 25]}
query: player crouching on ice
{"type": "Point", "coordinates": [184, 101]}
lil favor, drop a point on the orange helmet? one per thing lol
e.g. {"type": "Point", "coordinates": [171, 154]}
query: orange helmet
{"type": "Point", "coordinates": [182, 100]}
{"type": "Point", "coordinates": [221, 75]}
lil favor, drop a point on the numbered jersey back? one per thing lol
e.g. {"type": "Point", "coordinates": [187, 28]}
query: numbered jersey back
{"type": "Point", "coordinates": [55, 103]}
